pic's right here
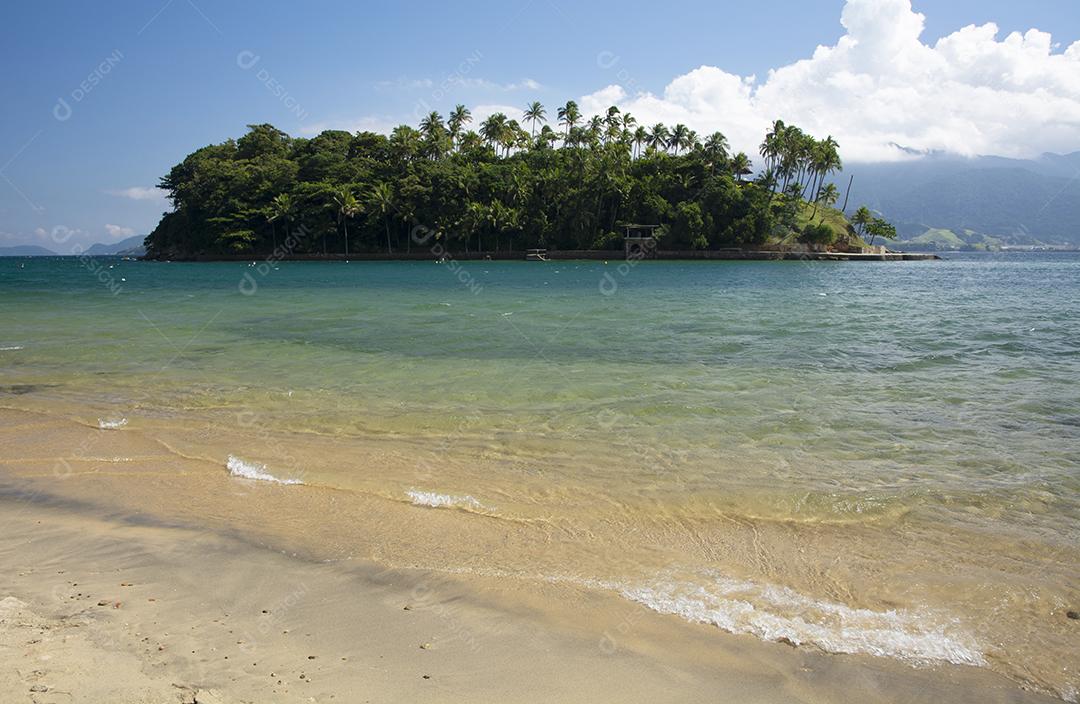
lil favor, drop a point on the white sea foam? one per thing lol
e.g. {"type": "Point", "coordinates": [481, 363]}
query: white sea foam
{"type": "Point", "coordinates": [111, 423]}
{"type": "Point", "coordinates": [253, 470]}
{"type": "Point", "coordinates": [774, 613]}
{"type": "Point", "coordinates": [434, 500]}
{"type": "Point", "coordinates": [11, 348]}
{"type": "Point", "coordinates": [771, 613]}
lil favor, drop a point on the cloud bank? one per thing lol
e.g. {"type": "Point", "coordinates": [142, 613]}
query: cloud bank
{"type": "Point", "coordinates": [880, 91]}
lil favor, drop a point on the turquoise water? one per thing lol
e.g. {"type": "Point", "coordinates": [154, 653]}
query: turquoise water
{"type": "Point", "coordinates": [919, 419]}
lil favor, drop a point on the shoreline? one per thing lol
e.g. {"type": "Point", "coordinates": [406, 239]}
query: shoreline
{"type": "Point", "coordinates": [185, 612]}
{"type": "Point", "coordinates": [194, 533]}
{"type": "Point", "coordinates": [616, 256]}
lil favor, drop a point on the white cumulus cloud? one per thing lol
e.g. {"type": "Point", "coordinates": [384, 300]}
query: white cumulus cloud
{"type": "Point", "coordinates": [880, 88]}
{"type": "Point", "coordinates": [118, 231]}
{"type": "Point", "coordinates": [139, 193]}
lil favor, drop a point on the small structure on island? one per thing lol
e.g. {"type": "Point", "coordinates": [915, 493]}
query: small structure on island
{"type": "Point", "coordinates": [536, 255]}
{"type": "Point", "coordinates": [640, 241]}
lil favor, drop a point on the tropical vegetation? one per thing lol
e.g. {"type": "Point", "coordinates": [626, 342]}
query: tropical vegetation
{"type": "Point", "coordinates": [561, 180]}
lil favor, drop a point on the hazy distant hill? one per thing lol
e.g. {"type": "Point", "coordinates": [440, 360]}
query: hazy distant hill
{"type": "Point", "coordinates": [26, 250]}
{"type": "Point", "coordinates": [980, 200]}
{"type": "Point", "coordinates": [131, 247]}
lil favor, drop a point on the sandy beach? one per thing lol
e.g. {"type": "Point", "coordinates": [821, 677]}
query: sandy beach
{"type": "Point", "coordinates": [104, 599]}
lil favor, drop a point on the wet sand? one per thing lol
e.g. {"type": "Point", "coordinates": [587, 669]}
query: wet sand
{"type": "Point", "coordinates": [151, 583]}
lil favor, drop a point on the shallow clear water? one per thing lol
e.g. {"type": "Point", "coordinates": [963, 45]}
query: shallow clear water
{"type": "Point", "coordinates": [870, 457]}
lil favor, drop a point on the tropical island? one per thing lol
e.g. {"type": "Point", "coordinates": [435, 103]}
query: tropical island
{"type": "Point", "coordinates": [505, 188]}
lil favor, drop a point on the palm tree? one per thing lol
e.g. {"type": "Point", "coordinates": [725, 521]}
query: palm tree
{"type": "Point", "coordinates": [405, 142]}
{"type": "Point", "coordinates": [716, 145]}
{"type": "Point", "coordinates": [492, 129]}
{"type": "Point", "coordinates": [861, 219]}
{"type": "Point", "coordinates": [533, 114]}
{"type": "Point", "coordinates": [679, 137]}
{"type": "Point", "coordinates": [658, 136]}
{"type": "Point", "coordinates": [547, 137]}
{"type": "Point", "coordinates": [692, 140]}
{"type": "Point", "coordinates": [431, 127]}
{"type": "Point", "coordinates": [470, 140]}
{"type": "Point", "coordinates": [347, 207]}
{"type": "Point", "coordinates": [613, 117]}
{"type": "Point", "coordinates": [827, 194]}
{"type": "Point", "coordinates": [825, 159]}
{"type": "Point", "coordinates": [740, 166]}
{"type": "Point", "coordinates": [772, 146]}
{"type": "Point", "coordinates": [596, 128]}
{"type": "Point", "coordinates": [569, 115]}
{"type": "Point", "coordinates": [640, 137]}
{"type": "Point", "coordinates": [281, 208]}
{"type": "Point", "coordinates": [381, 201]}
{"type": "Point", "coordinates": [459, 117]}
{"type": "Point", "coordinates": [510, 136]}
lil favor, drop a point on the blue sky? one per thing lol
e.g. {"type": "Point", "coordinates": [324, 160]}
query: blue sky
{"type": "Point", "coordinates": [162, 78]}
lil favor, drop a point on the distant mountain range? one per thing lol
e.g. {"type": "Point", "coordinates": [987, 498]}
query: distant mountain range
{"type": "Point", "coordinates": [949, 202]}
{"type": "Point", "coordinates": [26, 250]}
{"type": "Point", "coordinates": [130, 247]}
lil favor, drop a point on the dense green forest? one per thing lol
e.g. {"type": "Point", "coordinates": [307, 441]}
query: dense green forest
{"type": "Point", "coordinates": [503, 186]}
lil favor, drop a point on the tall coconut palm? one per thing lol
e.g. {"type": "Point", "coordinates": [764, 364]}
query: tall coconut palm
{"type": "Point", "coordinates": [547, 137]}
{"type": "Point", "coordinates": [693, 142]}
{"type": "Point", "coordinates": [405, 142]}
{"type": "Point", "coordinates": [381, 200]}
{"type": "Point", "coordinates": [455, 123]}
{"type": "Point", "coordinates": [613, 132]}
{"type": "Point", "coordinates": [658, 136]}
{"type": "Point", "coordinates": [470, 140]}
{"type": "Point", "coordinates": [492, 128]}
{"type": "Point", "coordinates": [716, 145]}
{"type": "Point", "coordinates": [595, 129]}
{"type": "Point", "coordinates": [434, 133]}
{"type": "Point", "coordinates": [679, 137]}
{"type": "Point", "coordinates": [828, 195]}
{"type": "Point", "coordinates": [569, 115]}
{"type": "Point", "coordinates": [347, 207]}
{"type": "Point", "coordinates": [824, 160]}
{"type": "Point", "coordinates": [510, 136]}
{"type": "Point", "coordinates": [861, 219]}
{"type": "Point", "coordinates": [772, 147]}
{"type": "Point", "coordinates": [613, 116]}
{"type": "Point", "coordinates": [740, 166]}
{"type": "Point", "coordinates": [640, 137]}
{"type": "Point", "coordinates": [281, 208]}
{"type": "Point", "coordinates": [533, 114]}
{"type": "Point", "coordinates": [432, 125]}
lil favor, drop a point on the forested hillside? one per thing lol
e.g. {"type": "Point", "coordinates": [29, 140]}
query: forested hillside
{"type": "Point", "coordinates": [504, 186]}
